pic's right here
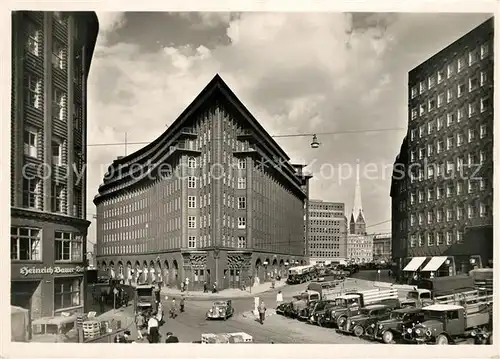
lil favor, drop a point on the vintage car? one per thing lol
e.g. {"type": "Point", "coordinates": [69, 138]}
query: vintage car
{"type": "Point", "coordinates": [361, 324]}
{"type": "Point", "coordinates": [145, 299]}
{"type": "Point", "coordinates": [221, 309]}
{"type": "Point", "coordinates": [304, 314]}
{"type": "Point", "coordinates": [284, 308]}
{"type": "Point", "coordinates": [60, 329]}
{"type": "Point", "coordinates": [394, 328]}
{"type": "Point", "coordinates": [319, 310]}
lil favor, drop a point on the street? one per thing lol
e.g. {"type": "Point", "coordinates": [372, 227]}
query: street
{"type": "Point", "coordinates": [189, 326]}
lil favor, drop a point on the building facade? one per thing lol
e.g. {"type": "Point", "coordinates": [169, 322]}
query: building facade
{"type": "Point", "coordinates": [51, 54]}
{"type": "Point", "coordinates": [382, 246]}
{"type": "Point", "coordinates": [327, 232]}
{"type": "Point", "coordinates": [443, 206]}
{"type": "Point", "coordinates": [213, 199]}
{"type": "Point", "coordinates": [359, 248]}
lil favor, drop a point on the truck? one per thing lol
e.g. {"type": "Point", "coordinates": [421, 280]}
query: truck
{"type": "Point", "coordinates": [445, 323]}
{"type": "Point", "coordinates": [301, 274]}
{"type": "Point", "coordinates": [350, 304]}
{"type": "Point", "coordinates": [483, 279]}
{"type": "Point", "coordinates": [427, 290]}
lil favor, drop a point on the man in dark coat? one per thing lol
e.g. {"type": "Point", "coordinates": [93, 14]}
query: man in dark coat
{"type": "Point", "coordinates": [171, 338]}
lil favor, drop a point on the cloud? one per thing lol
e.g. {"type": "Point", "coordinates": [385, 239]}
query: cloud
{"type": "Point", "coordinates": [296, 73]}
{"type": "Point", "coordinates": [110, 21]}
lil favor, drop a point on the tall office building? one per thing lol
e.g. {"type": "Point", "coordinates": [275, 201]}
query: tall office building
{"type": "Point", "coordinates": [213, 199]}
{"type": "Point", "coordinates": [442, 208]}
{"type": "Point", "coordinates": [327, 232]}
{"type": "Point", "coordinates": [51, 54]}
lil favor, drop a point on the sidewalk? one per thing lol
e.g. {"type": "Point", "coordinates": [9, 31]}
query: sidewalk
{"type": "Point", "coordinates": [225, 293]}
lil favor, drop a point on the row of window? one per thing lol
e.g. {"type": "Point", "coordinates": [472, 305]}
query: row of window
{"type": "Point", "coordinates": [324, 254]}
{"type": "Point", "coordinates": [32, 145]}
{"type": "Point", "coordinates": [435, 170]}
{"type": "Point", "coordinates": [471, 58]}
{"type": "Point", "coordinates": [326, 207]}
{"type": "Point", "coordinates": [328, 230]}
{"type": "Point", "coordinates": [315, 214]}
{"type": "Point", "coordinates": [436, 239]}
{"type": "Point", "coordinates": [461, 89]}
{"type": "Point", "coordinates": [324, 246]}
{"type": "Point", "coordinates": [451, 214]}
{"type": "Point", "coordinates": [320, 222]}
{"type": "Point", "coordinates": [26, 245]}
{"type": "Point", "coordinates": [325, 238]}
{"type": "Point", "coordinates": [33, 199]}
{"type": "Point", "coordinates": [438, 193]}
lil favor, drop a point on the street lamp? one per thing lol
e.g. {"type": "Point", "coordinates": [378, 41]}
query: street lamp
{"type": "Point", "coordinates": [315, 143]}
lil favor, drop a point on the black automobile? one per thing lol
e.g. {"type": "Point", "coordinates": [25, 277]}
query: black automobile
{"type": "Point", "coordinates": [361, 324]}
{"type": "Point", "coordinates": [318, 313]}
{"type": "Point", "coordinates": [283, 308]}
{"type": "Point", "coordinates": [305, 313]}
{"type": "Point", "coordinates": [393, 328]}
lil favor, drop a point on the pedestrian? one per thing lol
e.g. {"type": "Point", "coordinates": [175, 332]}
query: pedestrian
{"type": "Point", "coordinates": [181, 303]}
{"type": "Point", "coordinates": [171, 338]}
{"type": "Point", "coordinates": [102, 301]}
{"type": "Point", "coordinates": [186, 287]}
{"type": "Point", "coordinates": [153, 331]}
{"type": "Point", "coordinates": [159, 314]}
{"type": "Point", "coordinates": [214, 288]}
{"type": "Point", "coordinates": [182, 286]}
{"type": "Point", "coordinates": [173, 309]}
{"type": "Point", "coordinates": [262, 312]}
{"type": "Point", "coordinates": [140, 321]}
{"type": "Point", "coordinates": [279, 298]}
{"type": "Point", "coordinates": [273, 283]}
{"type": "Point", "coordinates": [205, 287]}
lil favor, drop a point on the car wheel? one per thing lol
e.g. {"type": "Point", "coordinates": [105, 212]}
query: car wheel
{"type": "Point", "coordinates": [358, 330]}
{"type": "Point", "coordinates": [341, 321]}
{"type": "Point", "coordinates": [442, 339]}
{"type": "Point", "coordinates": [387, 337]}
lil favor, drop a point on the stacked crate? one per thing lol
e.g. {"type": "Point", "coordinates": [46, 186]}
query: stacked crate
{"type": "Point", "coordinates": [91, 329]}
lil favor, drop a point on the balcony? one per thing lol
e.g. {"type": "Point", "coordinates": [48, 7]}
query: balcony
{"type": "Point", "coordinates": [245, 135]}
{"type": "Point", "coordinates": [189, 132]}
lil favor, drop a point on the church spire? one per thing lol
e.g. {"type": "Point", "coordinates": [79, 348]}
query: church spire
{"type": "Point", "coordinates": [357, 222]}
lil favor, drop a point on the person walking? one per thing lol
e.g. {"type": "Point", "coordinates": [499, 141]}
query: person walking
{"type": "Point", "coordinates": [205, 287]}
{"type": "Point", "coordinates": [181, 304]}
{"type": "Point", "coordinates": [102, 301]}
{"type": "Point", "coordinates": [140, 321]}
{"type": "Point", "coordinates": [173, 309]}
{"type": "Point", "coordinates": [262, 312]}
{"type": "Point", "coordinates": [182, 286]}
{"type": "Point", "coordinates": [171, 338]}
{"type": "Point", "coordinates": [279, 298]}
{"type": "Point", "coordinates": [153, 329]}
{"type": "Point", "coordinates": [159, 315]}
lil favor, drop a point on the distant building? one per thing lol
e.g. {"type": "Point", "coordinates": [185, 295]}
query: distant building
{"type": "Point", "coordinates": [442, 186]}
{"type": "Point", "coordinates": [212, 199]}
{"type": "Point", "coordinates": [327, 232]}
{"type": "Point", "coordinates": [51, 56]}
{"type": "Point", "coordinates": [382, 247]}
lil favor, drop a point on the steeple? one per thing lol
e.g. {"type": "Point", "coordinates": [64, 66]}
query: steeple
{"type": "Point", "coordinates": [357, 223]}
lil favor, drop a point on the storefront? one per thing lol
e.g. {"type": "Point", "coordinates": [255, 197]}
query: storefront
{"type": "Point", "coordinates": [47, 291]}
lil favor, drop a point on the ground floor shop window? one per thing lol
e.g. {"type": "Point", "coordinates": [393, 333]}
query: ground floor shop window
{"type": "Point", "coordinates": [25, 244]}
{"type": "Point", "coordinates": [67, 292]}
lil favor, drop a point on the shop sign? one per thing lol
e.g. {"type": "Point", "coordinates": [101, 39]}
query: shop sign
{"type": "Point", "coordinates": [25, 271]}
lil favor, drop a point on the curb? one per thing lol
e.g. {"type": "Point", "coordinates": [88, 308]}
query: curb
{"type": "Point", "coordinates": [209, 297]}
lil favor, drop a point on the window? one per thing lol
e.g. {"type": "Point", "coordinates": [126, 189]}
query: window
{"type": "Point", "coordinates": [421, 131]}
{"type": "Point", "coordinates": [414, 92]}
{"type": "Point", "coordinates": [439, 238]}
{"type": "Point", "coordinates": [439, 215]}
{"type": "Point", "coordinates": [430, 127]}
{"type": "Point", "coordinates": [473, 84]}
{"type": "Point", "coordinates": [472, 109]}
{"type": "Point", "coordinates": [57, 55]}
{"type": "Point", "coordinates": [430, 240]}
{"type": "Point", "coordinates": [56, 153]}
{"type": "Point", "coordinates": [242, 183]}
{"type": "Point", "coordinates": [482, 131]}
{"type": "Point", "coordinates": [484, 103]}
{"type": "Point", "coordinates": [67, 293]}
{"type": "Point", "coordinates": [449, 95]}
{"type": "Point", "coordinates": [432, 81]}
{"type": "Point", "coordinates": [421, 240]}
{"type": "Point", "coordinates": [242, 164]}
{"type": "Point", "coordinates": [440, 76]}
{"type": "Point", "coordinates": [242, 242]}
{"type": "Point", "coordinates": [33, 43]}
{"type": "Point", "coordinates": [31, 143]}
{"type": "Point", "coordinates": [483, 78]}
{"type": "Point", "coordinates": [440, 192]}
{"type": "Point", "coordinates": [25, 244]}
{"type": "Point", "coordinates": [460, 163]}
{"type": "Point", "coordinates": [482, 157]}
{"type": "Point", "coordinates": [460, 236]}
{"type": "Point", "coordinates": [460, 139]}
{"type": "Point", "coordinates": [460, 64]}
{"type": "Point", "coordinates": [191, 182]}
{"type": "Point", "coordinates": [191, 242]}
{"type": "Point", "coordinates": [412, 156]}
{"type": "Point", "coordinates": [449, 70]}
{"type": "Point", "coordinates": [413, 133]}
{"type": "Point", "coordinates": [432, 104]}
{"type": "Point", "coordinates": [449, 238]}
{"type": "Point", "coordinates": [471, 135]}
{"type": "Point", "coordinates": [473, 57]}
{"type": "Point", "coordinates": [57, 198]}
{"type": "Point", "coordinates": [422, 109]}
{"type": "Point", "coordinates": [420, 218]}
{"type": "Point", "coordinates": [430, 172]}
{"type": "Point", "coordinates": [422, 87]}
{"type": "Point", "coordinates": [413, 240]}
{"type": "Point", "coordinates": [440, 123]}
{"type": "Point", "coordinates": [430, 194]}
{"type": "Point", "coordinates": [440, 146]}
{"type": "Point", "coordinates": [450, 119]}
{"type": "Point", "coordinates": [412, 219]}
{"type": "Point", "coordinates": [421, 153]}
{"type": "Point", "coordinates": [460, 89]}
{"type": "Point", "coordinates": [58, 104]}
{"type": "Point", "coordinates": [31, 192]}
{"type": "Point", "coordinates": [68, 246]}
{"type": "Point", "coordinates": [192, 162]}
{"type": "Point", "coordinates": [449, 143]}
{"type": "Point", "coordinates": [33, 93]}
{"type": "Point", "coordinates": [242, 203]}
{"type": "Point", "coordinates": [482, 184]}
{"type": "Point", "coordinates": [414, 113]}
{"type": "Point", "coordinates": [470, 187]}
{"type": "Point", "coordinates": [242, 223]}
{"type": "Point", "coordinates": [440, 99]}
{"type": "Point", "coordinates": [483, 211]}
{"type": "Point", "coordinates": [460, 213]}
{"type": "Point", "coordinates": [484, 50]}
{"type": "Point", "coordinates": [449, 215]}
{"type": "Point", "coordinates": [191, 222]}
{"type": "Point", "coordinates": [191, 202]}
{"type": "Point", "coordinates": [412, 198]}
{"type": "Point", "coordinates": [471, 211]}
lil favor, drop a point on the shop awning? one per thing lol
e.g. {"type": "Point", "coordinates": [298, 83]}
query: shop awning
{"type": "Point", "coordinates": [434, 264]}
{"type": "Point", "coordinates": [414, 264]}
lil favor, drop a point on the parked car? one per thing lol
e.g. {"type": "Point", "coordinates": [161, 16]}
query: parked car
{"type": "Point", "coordinates": [394, 328]}
{"type": "Point", "coordinates": [221, 309]}
{"type": "Point", "coordinates": [319, 310]}
{"type": "Point", "coordinates": [361, 323]}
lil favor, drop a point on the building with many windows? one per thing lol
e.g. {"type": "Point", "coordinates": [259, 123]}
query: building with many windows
{"type": "Point", "coordinates": [213, 199]}
{"type": "Point", "coordinates": [382, 248]}
{"type": "Point", "coordinates": [442, 189]}
{"type": "Point", "coordinates": [51, 54]}
{"type": "Point", "coordinates": [327, 232]}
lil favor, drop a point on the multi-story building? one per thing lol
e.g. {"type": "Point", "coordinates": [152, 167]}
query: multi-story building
{"type": "Point", "coordinates": [327, 232]}
{"type": "Point", "coordinates": [51, 54]}
{"type": "Point", "coordinates": [382, 247]}
{"type": "Point", "coordinates": [442, 208]}
{"type": "Point", "coordinates": [213, 199]}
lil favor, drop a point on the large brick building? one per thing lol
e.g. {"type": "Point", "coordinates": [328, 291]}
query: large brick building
{"type": "Point", "coordinates": [213, 199]}
{"type": "Point", "coordinates": [327, 232]}
{"type": "Point", "coordinates": [442, 207]}
{"type": "Point", "coordinates": [51, 54]}
{"type": "Point", "coordinates": [382, 244]}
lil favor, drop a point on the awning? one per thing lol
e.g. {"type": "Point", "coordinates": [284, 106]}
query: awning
{"type": "Point", "coordinates": [434, 264]}
{"type": "Point", "coordinates": [414, 264]}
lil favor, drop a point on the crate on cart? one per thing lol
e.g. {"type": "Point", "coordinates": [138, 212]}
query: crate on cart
{"type": "Point", "coordinates": [226, 338]}
{"type": "Point", "coordinates": [91, 328]}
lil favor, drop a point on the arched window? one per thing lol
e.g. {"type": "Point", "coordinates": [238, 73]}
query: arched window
{"type": "Point", "coordinates": [191, 162]}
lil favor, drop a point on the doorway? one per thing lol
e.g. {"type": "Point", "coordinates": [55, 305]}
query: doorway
{"type": "Point", "coordinates": [234, 278]}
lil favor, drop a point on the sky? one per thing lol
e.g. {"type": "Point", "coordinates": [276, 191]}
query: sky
{"type": "Point", "coordinates": [295, 72]}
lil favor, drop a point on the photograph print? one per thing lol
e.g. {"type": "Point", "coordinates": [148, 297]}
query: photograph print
{"type": "Point", "coordinates": [251, 177]}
